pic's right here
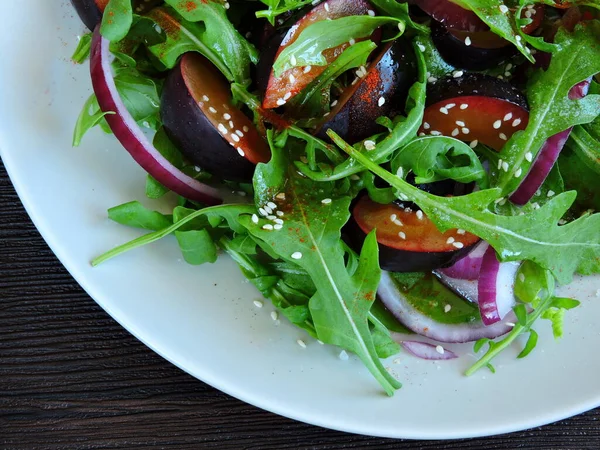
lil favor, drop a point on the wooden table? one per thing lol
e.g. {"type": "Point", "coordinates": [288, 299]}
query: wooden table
{"type": "Point", "coordinates": [72, 378]}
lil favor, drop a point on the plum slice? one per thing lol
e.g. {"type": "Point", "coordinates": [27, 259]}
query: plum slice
{"type": "Point", "coordinates": [382, 92]}
{"type": "Point", "coordinates": [292, 81]}
{"type": "Point", "coordinates": [451, 15]}
{"type": "Point", "coordinates": [408, 240]}
{"type": "Point", "coordinates": [199, 116]}
{"type": "Point", "coordinates": [475, 108]}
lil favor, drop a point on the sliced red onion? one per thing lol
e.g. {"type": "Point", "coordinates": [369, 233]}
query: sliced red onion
{"type": "Point", "coordinates": [467, 268]}
{"type": "Point", "coordinates": [427, 351]}
{"type": "Point", "coordinates": [496, 287]}
{"type": "Point", "coordinates": [466, 289]}
{"type": "Point", "coordinates": [131, 136]}
{"type": "Point", "coordinates": [395, 301]}
{"type": "Point", "coordinates": [548, 155]}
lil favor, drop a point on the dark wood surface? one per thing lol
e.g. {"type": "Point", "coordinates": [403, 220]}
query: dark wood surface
{"type": "Point", "coordinates": [72, 378]}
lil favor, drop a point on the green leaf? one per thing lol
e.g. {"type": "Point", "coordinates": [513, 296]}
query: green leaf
{"type": "Point", "coordinates": [399, 11]}
{"type": "Point", "coordinates": [219, 35]}
{"type": "Point", "coordinates": [82, 52]}
{"type": "Point", "coordinates": [134, 214]}
{"type": "Point", "coordinates": [116, 20]}
{"type": "Point", "coordinates": [385, 346]}
{"type": "Point", "coordinates": [197, 246]}
{"type": "Point", "coordinates": [90, 116]}
{"type": "Point", "coordinates": [436, 158]}
{"type": "Point", "coordinates": [586, 147]}
{"type": "Point", "coordinates": [140, 94]}
{"type": "Point", "coordinates": [578, 176]}
{"type": "Point", "coordinates": [308, 49]}
{"type": "Point", "coordinates": [565, 303]}
{"type": "Point", "coordinates": [521, 313]}
{"type": "Point", "coordinates": [551, 111]}
{"type": "Point", "coordinates": [154, 189]}
{"type": "Point", "coordinates": [530, 345]}
{"type": "Point", "coordinates": [479, 344]}
{"type": "Point", "coordinates": [279, 7]}
{"type": "Point", "coordinates": [311, 238]}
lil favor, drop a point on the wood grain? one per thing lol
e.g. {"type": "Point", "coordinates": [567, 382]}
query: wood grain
{"type": "Point", "coordinates": [72, 378]}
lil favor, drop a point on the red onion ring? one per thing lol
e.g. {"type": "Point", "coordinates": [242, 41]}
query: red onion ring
{"type": "Point", "coordinates": [427, 351]}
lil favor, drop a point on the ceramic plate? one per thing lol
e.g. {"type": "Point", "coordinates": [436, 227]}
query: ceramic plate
{"type": "Point", "coordinates": [204, 319]}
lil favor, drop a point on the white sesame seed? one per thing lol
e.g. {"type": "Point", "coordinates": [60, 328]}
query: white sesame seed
{"type": "Point", "coordinates": [458, 244]}
{"type": "Point", "coordinates": [278, 221]}
{"type": "Point", "coordinates": [503, 9]}
{"type": "Point", "coordinates": [518, 173]}
{"type": "Point", "coordinates": [450, 105]}
{"type": "Point", "coordinates": [267, 209]}
{"type": "Point", "coordinates": [326, 201]}
{"type": "Point", "coordinates": [262, 212]}
{"type": "Point", "coordinates": [529, 156]}
{"type": "Point", "coordinates": [457, 74]}
{"type": "Point", "coordinates": [393, 217]}
{"type": "Point", "coordinates": [447, 308]}
{"type": "Point", "coordinates": [327, 7]}
{"type": "Point", "coordinates": [296, 255]}
{"type": "Point", "coordinates": [239, 133]}
{"type": "Point", "coordinates": [343, 355]}
{"type": "Point", "coordinates": [450, 240]}
{"type": "Point", "coordinates": [464, 106]}
{"type": "Point", "coordinates": [222, 128]}
{"type": "Point", "coordinates": [351, 42]}
{"type": "Point", "coordinates": [510, 324]}
{"type": "Point", "coordinates": [420, 215]}
{"type": "Point", "coordinates": [521, 277]}
{"type": "Point", "coordinates": [518, 38]}
{"type": "Point", "coordinates": [381, 101]}
{"type": "Point", "coordinates": [536, 205]}
{"type": "Point", "coordinates": [460, 231]}
{"type": "Point", "coordinates": [455, 132]}
{"type": "Point", "coordinates": [227, 116]}
{"type": "Point", "coordinates": [241, 151]}
{"type": "Point", "coordinates": [398, 223]}
{"type": "Point", "coordinates": [443, 110]}
{"type": "Point", "coordinates": [307, 69]}
{"type": "Point", "coordinates": [439, 349]}
{"type": "Point", "coordinates": [254, 218]}
{"type": "Point", "coordinates": [370, 145]}
{"type": "Point", "coordinates": [421, 134]}
{"type": "Point", "coordinates": [426, 126]}
{"type": "Point", "coordinates": [402, 235]}
{"type": "Point", "coordinates": [212, 110]}
{"type": "Point", "coordinates": [432, 79]}
{"type": "Point", "coordinates": [371, 12]}
{"type": "Point", "coordinates": [258, 303]}
{"type": "Point", "coordinates": [505, 166]}
{"type": "Point", "coordinates": [300, 342]}
{"type": "Point", "coordinates": [516, 122]}
{"type": "Point", "coordinates": [551, 193]}
{"type": "Point", "coordinates": [334, 103]}
{"type": "Point", "coordinates": [502, 136]}
{"type": "Point", "coordinates": [278, 226]}
{"type": "Point", "coordinates": [467, 41]}
{"type": "Point", "coordinates": [466, 131]}
{"type": "Point", "coordinates": [509, 66]}
{"type": "Point", "coordinates": [279, 213]}
{"type": "Point", "coordinates": [474, 143]}
{"type": "Point", "coordinates": [293, 60]}
{"type": "Point", "coordinates": [281, 102]}
{"type": "Point", "coordinates": [435, 133]}
{"type": "Point", "coordinates": [421, 47]}
{"type": "Point", "coordinates": [272, 205]}
{"type": "Point", "coordinates": [287, 96]}
{"type": "Point", "coordinates": [280, 196]}
{"type": "Point", "coordinates": [267, 227]}
{"type": "Point", "coordinates": [460, 123]}
{"type": "Point", "coordinates": [500, 164]}
{"type": "Point", "coordinates": [231, 125]}
{"type": "Point", "coordinates": [274, 315]}
{"type": "Point", "coordinates": [271, 217]}
{"type": "Point", "coordinates": [508, 117]}
{"type": "Point", "coordinates": [400, 172]}
{"type": "Point", "coordinates": [235, 137]}
{"type": "Point", "coordinates": [245, 128]}
{"type": "Point", "coordinates": [497, 124]}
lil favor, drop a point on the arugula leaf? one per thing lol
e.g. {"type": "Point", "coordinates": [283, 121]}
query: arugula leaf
{"type": "Point", "coordinates": [586, 147]}
{"type": "Point", "coordinates": [82, 52]}
{"type": "Point", "coordinates": [399, 11]}
{"type": "Point", "coordinates": [278, 7]}
{"type": "Point", "coordinates": [197, 246]}
{"type": "Point", "coordinates": [577, 57]}
{"type": "Point", "coordinates": [134, 214]}
{"type": "Point", "coordinates": [311, 238]}
{"type": "Point", "coordinates": [116, 20]}
{"type": "Point", "coordinates": [219, 35]}
{"type": "Point", "coordinates": [534, 236]}
{"type": "Point", "coordinates": [578, 176]}
{"type": "Point", "coordinates": [308, 49]}
{"type": "Point", "coordinates": [403, 131]}
{"type": "Point", "coordinates": [90, 116]}
{"type": "Point", "coordinates": [436, 158]}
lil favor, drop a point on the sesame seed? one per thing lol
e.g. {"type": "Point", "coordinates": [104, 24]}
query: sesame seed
{"type": "Point", "coordinates": [500, 164]}
{"type": "Point", "coordinates": [393, 217]}
{"type": "Point", "coordinates": [455, 132]}
{"type": "Point", "coordinates": [460, 231]}
{"type": "Point", "coordinates": [226, 116]}
{"type": "Point", "coordinates": [351, 42]}
{"type": "Point", "coordinates": [212, 110]}
{"type": "Point", "coordinates": [529, 156]}
{"type": "Point", "coordinates": [262, 212]}
{"type": "Point", "coordinates": [457, 74]}
{"type": "Point", "coordinates": [505, 166]}
{"type": "Point", "coordinates": [293, 60]}
{"type": "Point", "coordinates": [222, 128]}
{"type": "Point", "coordinates": [460, 123]}
{"type": "Point", "coordinates": [497, 124]}
{"type": "Point", "coordinates": [371, 12]}
{"type": "Point", "coordinates": [402, 235]}
{"type": "Point", "coordinates": [343, 355]}
{"type": "Point", "coordinates": [292, 78]}
{"type": "Point", "coordinates": [281, 102]}
{"type": "Point", "coordinates": [272, 205]}
{"type": "Point", "coordinates": [421, 134]}
{"type": "Point", "coordinates": [287, 96]}
{"type": "Point", "coordinates": [296, 255]}
{"type": "Point", "coordinates": [271, 217]}
{"type": "Point", "coordinates": [507, 74]}
{"type": "Point", "coordinates": [450, 240]}
{"type": "Point", "coordinates": [327, 7]}
{"type": "Point", "coordinates": [458, 244]}
{"type": "Point", "coordinates": [400, 172]}
{"type": "Point", "coordinates": [267, 227]}
{"type": "Point", "coordinates": [439, 349]}
{"type": "Point", "coordinates": [241, 151]}
{"type": "Point", "coordinates": [370, 145]}
{"type": "Point", "coordinates": [421, 47]}
{"type": "Point", "coordinates": [274, 315]}
{"type": "Point", "coordinates": [278, 221]}
{"type": "Point", "coordinates": [254, 218]}
{"type": "Point", "coordinates": [307, 69]}
{"type": "Point", "coordinates": [231, 125]}
{"type": "Point", "coordinates": [258, 303]}
{"type": "Point", "coordinates": [510, 324]}
{"type": "Point", "coordinates": [466, 131]}
{"type": "Point", "coordinates": [509, 66]}
{"type": "Point", "coordinates": [426, 126]}
{"type": "Point", "coordinates": [279, 213]}
{"type": "Point", "coordinates": [431, 79]}
{"type": "Point", "coordinates": [333, 103]}
{"type": "Point", "coordinates": [502, 136]}
{"type": "Point", "coordinates": [444, 110]}
{"type": "Point", "coordinates": [521, 277]}
{"type": "Point", "coordinates": [467, 41]}
{"type": "Point", "coordinates": [278, 226]}
{"type": "Point", "coordinates": [239, 133]}
{"type": "Point", "coordinates": [300, 342]}
{"type": "Point", "coordinates": [435, 133]}
{"type": "Point", "coordinates": [398, 223]}
{"type": "Point", "coordinates": [267, 209]}
{"type": "Point", "coordinates": [508, 117]}
{"type": "Point", "coordinates": [518, 173]}
{"type": "Point", "coordinates": [464, 106]}
{"type": "Point", "coordinates": [518, 38]}
{"type": "Point", "coordinates": [235, 137]}
{"type": "Point", "coordinates": [503, 9]}
{"type": "Point", "coordinates": [551, 193]}
{"type": "Point", "coordinates": [381, 101]}
{"type": "Point", "coordinates": [245, 128]}
{"type": "Point", "coordinates": [516, 122]}
{"type": "Point", "coordinates": [280, 196]}
{"type": "Point", "coordinates": [474, 143]}
{"type": "Point", "coordinates": [450, 105]}
{"type": "Point", "coordinates": [326, 201]}
{"type": "Point", "coordinates": [420, 215]}
{"type": "Point", "coordinates": [447, 308]}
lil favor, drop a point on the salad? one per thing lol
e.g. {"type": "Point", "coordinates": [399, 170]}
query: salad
{"type": "Point", "coordinates": [393, 176]}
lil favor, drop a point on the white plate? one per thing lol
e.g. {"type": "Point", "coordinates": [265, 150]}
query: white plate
{"type": "Point", "coordinates": [203, 319]}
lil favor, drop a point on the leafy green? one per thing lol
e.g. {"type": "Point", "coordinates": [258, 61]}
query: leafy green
{"type": "Point", "coordinates": [578, 176]}
{"type": "Point", "coordinates": [308, 49]}
{"type": "Point", "coordinates": [90, 116]}
{"type": "Point", "coordinates": [551, 111]}
{"type": "Point", "coordinates": [116, 20]}
{"type": "Point", "coordinates": [535, 236]}
{"type": "Point", "coordinates": [219, 35]}
{"type": "Point", "coordinates": [586, 147]}
{"type": "Point", "coordinates": [197, 246]}
{"type": "Point", "coordinates": [82, 52]}
{"type": "Point", "coordinates": [312, 239]}
{"type": "Point", "coordinates": [134, 214]}
{"type": "Point", "coordinates": [278, 7]}
{"type": "Point", "coordinates": [436, 158]}
{"type": "Point", "coordinates": [399, 11]}
{"type": "Point", "coordinates": [534, 288]}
